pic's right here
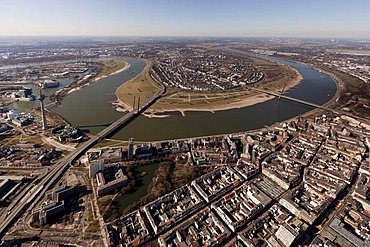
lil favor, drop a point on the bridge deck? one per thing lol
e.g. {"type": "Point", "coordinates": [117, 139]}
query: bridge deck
{"type": "Point", "coordinates": [48, 180]}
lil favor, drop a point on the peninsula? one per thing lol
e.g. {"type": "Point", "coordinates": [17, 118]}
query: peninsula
{"type": "Point", "coordinates": [201, 79]}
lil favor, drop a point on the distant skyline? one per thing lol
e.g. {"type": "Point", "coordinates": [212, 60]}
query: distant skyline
{"type": "Point", "coordinates": [232, 18]}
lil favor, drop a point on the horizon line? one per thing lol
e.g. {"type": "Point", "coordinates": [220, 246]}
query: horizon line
{"type": "Point", "coordinates": [173, 36]}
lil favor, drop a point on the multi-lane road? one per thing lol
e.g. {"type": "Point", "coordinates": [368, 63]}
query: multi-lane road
{"type": "Point", "coordinates": [35, 191]}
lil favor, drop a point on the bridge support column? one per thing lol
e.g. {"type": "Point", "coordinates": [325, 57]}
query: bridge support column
{"type": "Point", "coordinates": [138, 105]}
{"type": "Point", "coordinates": [133, 105]}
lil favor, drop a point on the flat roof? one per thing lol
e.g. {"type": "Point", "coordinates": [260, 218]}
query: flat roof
{"type": "Point", "coordinates": [337, 226]}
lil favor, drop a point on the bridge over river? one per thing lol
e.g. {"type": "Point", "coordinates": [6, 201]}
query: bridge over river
{"type": "Point", "coordinates": [282, 96]}
{"type": "Point", "coordinates": [35, 191]}
{"type": "Point", "coordinates": [303, 102]}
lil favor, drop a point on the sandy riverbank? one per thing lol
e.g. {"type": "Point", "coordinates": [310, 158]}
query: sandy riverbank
{"type": "Point", "coordinates": [240, 102]}
{"type": "Point", "coordinates": [89, 82]}
{"type": "Point", "coordinates": [115, 72]}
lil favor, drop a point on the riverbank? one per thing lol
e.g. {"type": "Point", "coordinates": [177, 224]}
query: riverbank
{"type": "Point", "coordinates": [105, 69]}
{"type": "Point", "coordinates": [351, 92]}
{"type": "Point", "coordinates": [142, 86]}
{"type": "Point", "coordinates": [109, 68]}
{"type": "Point", "coordinates": [176, 100]}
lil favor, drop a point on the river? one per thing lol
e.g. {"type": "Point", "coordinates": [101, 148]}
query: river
{"type": "Point", "coordinates": [91, 108]}
{"type": "Point", "coordinates": [316, 87]}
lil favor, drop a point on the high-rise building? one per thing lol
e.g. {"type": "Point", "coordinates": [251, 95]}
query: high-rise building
{"type": "Point", "coordinates": [41, 99]}
{"type": "Point", "coordinates": [130, 153]}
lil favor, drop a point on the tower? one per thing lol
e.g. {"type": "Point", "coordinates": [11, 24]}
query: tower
{"type": "Point", "coordinates": [130, 153]}
{"type": "Point", "coordinates": [41, 99]}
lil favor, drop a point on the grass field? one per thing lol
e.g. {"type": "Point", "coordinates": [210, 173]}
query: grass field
{"type": "Point", "coordinates": [355, 93]}
{"type": "Point", "coordinates": [109, 67]}
{"type": "Point", "coordinates": [349, 52]}
{"type": "Point", "coordinates": [200, 100]}
{"type": "Point", "coordinates": [13, 137]}
{"type": "Point", "coordinates": [352, 84]}
{"type": "Point", "coordinates": [142, 86]}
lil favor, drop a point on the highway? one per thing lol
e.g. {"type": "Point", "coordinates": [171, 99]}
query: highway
{"type": "Point", "coordinates": [35, 191]}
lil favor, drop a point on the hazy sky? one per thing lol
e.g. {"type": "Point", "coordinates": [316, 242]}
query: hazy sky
{"type": "Point", "coordinates": [294, 18]}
